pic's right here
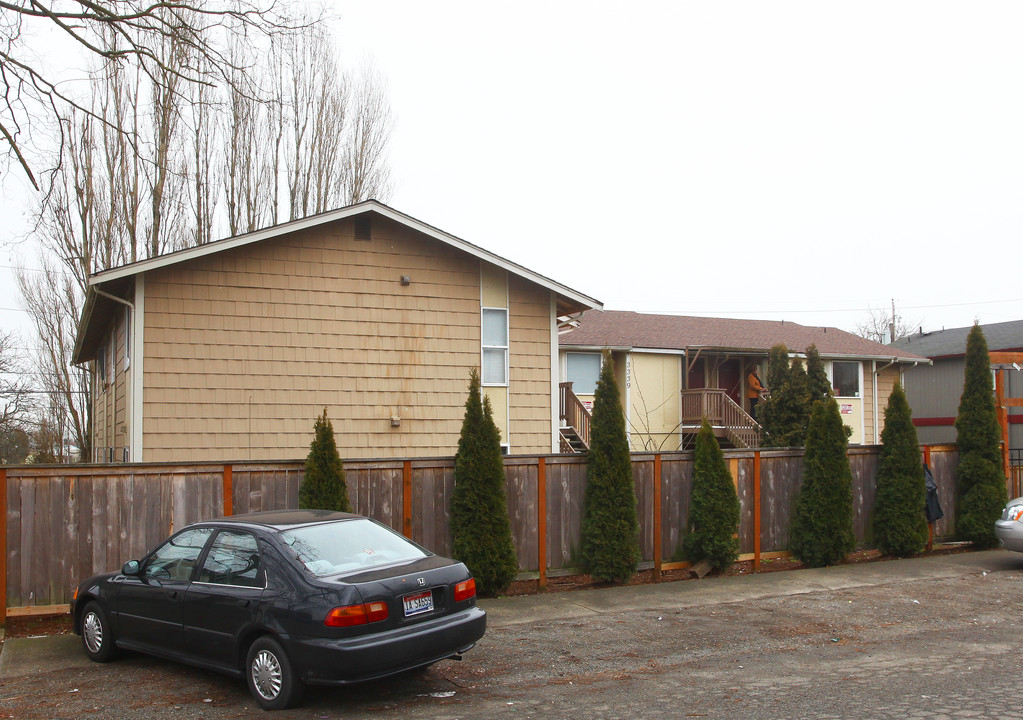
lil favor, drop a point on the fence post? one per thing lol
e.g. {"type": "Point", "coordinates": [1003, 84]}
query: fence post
{"type": "Point", "coordinates": [756, 511]}
{"type": "Point", "coordinates": [541, 519]}
{"type": "Point", "coordinates": [657, 517]}
{"type": "Point", "coordinates": [3, 545]}
{"type": "Point", "coordinates": [406, 499]}
{"type": "Point", "coordinates": [228, 490]}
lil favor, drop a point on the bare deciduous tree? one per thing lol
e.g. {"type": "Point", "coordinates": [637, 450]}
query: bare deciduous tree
{"type": "Point", "coordinates": [884, 327]}
{"type": "Point", "coordinates": [16, 397]}
{"type": "Point", "coordinates": [33, 91]}
{"type": "Point", "coordinates": [53, 300]}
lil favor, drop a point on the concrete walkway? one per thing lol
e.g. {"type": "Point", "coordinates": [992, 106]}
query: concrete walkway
{"type": "Point", "coordinates": [21, 657]}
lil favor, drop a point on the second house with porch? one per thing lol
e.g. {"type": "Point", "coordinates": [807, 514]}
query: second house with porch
{"type": "Point", "coordinates": [674, 370]}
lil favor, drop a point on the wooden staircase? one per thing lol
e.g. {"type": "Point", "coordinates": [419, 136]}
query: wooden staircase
{"type": "Point", "coordinates": [571, 442]}
{"type": "Point", "coordinates": [731, 423]}
{"type": "Point", "coordinates": [575, 422]}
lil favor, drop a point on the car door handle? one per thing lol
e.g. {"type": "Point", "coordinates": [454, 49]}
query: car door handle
{"type": "Point", "coordinates": [172, 594]}
{"type": "Point", "coordinates": [244, 603]}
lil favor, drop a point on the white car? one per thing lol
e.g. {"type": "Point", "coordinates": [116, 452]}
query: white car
{"type": "Point", "coordinates": [1009, 527]}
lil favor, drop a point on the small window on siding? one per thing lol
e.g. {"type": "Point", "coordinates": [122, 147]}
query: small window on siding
{"type": "Point", "coordinates": [845, 378]}
{"type": "Point", "coordinates": [495, 346]}
{"type": "Point", "coordinates": [583, 371]}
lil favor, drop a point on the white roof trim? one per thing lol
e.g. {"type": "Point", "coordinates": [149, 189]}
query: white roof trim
{"type": "Point", "coordinates": [295, 225]}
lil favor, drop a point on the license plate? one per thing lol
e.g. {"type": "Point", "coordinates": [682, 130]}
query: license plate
{"type": "Point", "coordinates": [418, 603]}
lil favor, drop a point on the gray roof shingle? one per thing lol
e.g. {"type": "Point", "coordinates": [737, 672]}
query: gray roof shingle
{"type": "Point", "coordinates": [1004, 336]}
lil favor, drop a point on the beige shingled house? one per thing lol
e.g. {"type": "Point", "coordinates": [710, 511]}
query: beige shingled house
{"type": "Point", "coordinates": [230, 350]}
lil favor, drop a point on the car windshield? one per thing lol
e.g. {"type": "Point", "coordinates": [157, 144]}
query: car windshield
{"type": "Point", "coordinates": [349, 546]}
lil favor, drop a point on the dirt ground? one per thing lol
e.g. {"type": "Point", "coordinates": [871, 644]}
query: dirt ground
{"type": "Point", "coordinates": [30, 626]}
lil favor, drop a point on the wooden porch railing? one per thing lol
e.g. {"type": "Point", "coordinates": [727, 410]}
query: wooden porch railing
{"type": "Point", "coordinates": [573, 413]}
{"type": "Point", "coordinates": [721, 412]}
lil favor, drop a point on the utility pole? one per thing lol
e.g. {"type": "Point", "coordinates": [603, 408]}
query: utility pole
{"type": "Point", "coordinates": [891, 326]}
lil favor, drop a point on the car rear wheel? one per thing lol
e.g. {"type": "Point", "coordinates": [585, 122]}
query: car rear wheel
{"type": "Point", "coordinates": [97, 637]}
{"type": "Point", "coordinates": [271, 679]}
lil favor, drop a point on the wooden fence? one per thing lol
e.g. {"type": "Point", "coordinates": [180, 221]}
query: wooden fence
{"type": "Point", "coordinates": [64, 523]}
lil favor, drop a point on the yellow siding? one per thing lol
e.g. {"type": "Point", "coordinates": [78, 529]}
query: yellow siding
{"type": "Point", "coordinates": [244, 348]}
{"type": "Point", "coordinates": [886, 380]}
{"type": "Point", "coordinates": [654, 401]}
{"type": "Point", "coordinates": [498, 397]}
{"type": "Point", "coordinates": [494, 286]}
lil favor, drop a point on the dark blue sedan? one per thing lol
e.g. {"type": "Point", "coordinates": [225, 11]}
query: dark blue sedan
{"type": "Point", "coordinates": [285, 599]}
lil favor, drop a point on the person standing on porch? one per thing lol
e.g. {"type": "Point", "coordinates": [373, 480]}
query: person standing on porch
{"type": "Point", "coordinates": [754, 390]}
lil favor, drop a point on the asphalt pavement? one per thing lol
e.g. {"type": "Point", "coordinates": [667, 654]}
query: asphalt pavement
{"type": "Point", "coordinates": [23, 657]}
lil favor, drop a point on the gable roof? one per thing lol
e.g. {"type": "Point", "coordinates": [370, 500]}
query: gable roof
{"type": "Point", "coordinates": [1004, 336]}
{"type": "Point", "coordinates": [632, 330]}
{"type": "Point", "coordinates": [117, 281]}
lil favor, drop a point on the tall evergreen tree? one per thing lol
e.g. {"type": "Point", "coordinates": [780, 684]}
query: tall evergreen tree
{"type": "Point", "coordinates": [610, 526]}
{"type": "Point", "coordinates": [323, 487]}
{"type": "Point", "coordinates": [820, 386]}
{"type": "Point", "coordinates": [822, 529]}
{"type": "Point", "coordinates": [900, 526]}
{"type": "Point", "coordinates": [713, 505]}
{"type": "Point", "coordinates": [480, 528]}
{"type": "Point", "coordinates": [981, 484]}
{"type": "Point", "coordinates": [786, 413]}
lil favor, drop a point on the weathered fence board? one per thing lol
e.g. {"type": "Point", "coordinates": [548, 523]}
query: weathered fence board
{"type": "Point", "coordinates": [64, 523]}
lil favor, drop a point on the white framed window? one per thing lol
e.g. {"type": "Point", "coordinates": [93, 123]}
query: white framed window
{"type": "Point", "coordinates": [495, 346]}
{"type": "Point", "coordinates": [845, 378]}
{"type": "Point", "coordinates": [583, 371]}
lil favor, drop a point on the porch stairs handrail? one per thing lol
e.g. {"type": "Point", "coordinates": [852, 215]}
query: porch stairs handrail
{"type": "Point", "coordinates": [574, 415]}
{"type": "Point", "coordinates": [722, 413]}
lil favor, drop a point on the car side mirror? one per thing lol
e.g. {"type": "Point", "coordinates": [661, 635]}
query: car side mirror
{"type": "Point", "coordinates": [131, 568]}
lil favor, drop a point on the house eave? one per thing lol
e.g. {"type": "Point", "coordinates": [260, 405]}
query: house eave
{"type": "Point", "coordinates": [571, 298]}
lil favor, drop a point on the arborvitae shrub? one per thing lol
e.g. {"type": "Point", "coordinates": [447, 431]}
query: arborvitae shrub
{"type": "Point", "coordinates": [787, 412]}
{"type": "Point", "coordinates": [980, 479]}
{"type": "Point", "coordinates": [324, 486]}
{"type": "Point", "coordinates": [480, 528]}
{"type": "Point", "coordinates": [900, 526]}
{"type": "Point", "coordinates": [820, 386]}
{"type": "Point", "coordinates": [713, 505]}
{"type": "Point", "coordinates": [822, 529]}
{"type": "Point", "coordinates": [610, 525]}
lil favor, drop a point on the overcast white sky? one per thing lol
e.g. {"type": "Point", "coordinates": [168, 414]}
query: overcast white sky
{"type": "Point", "coordinates": [803, 161]}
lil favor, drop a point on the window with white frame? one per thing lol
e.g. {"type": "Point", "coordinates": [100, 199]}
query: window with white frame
{"type": "Point", "coordinates": [495, 346]}
{"type": "Point", "coordinates": [583, 371]}
{"type": "Point", "coordinates": [845, 378]}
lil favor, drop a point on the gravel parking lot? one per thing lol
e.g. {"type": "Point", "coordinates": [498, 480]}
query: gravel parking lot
{"type": "Point", "coordinates": [925, 638]}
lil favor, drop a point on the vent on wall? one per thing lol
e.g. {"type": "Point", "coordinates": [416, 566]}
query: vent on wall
{"type": "Point", "coordinates": [363, 228]}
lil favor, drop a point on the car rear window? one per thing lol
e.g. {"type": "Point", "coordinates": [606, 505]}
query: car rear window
{"type": "Point", "coordinates": [349, 546]}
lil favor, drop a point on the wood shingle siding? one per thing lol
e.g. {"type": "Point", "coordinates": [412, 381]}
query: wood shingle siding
{"type": "Point", "coordinates": [244, 350]}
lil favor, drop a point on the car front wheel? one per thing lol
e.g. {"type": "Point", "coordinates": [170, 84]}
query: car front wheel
{"type": "Point", "coordinates": [271, 679]}
{"type": "Point", "coordinates": [97, 637]}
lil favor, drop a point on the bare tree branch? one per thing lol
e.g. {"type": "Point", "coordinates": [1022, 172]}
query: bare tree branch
{"type": "Point", "coordinates": [33, 92]}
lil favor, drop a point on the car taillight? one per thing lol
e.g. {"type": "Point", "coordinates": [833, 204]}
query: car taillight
{"type": "Point", "coordinates": [350, 615]}
{"type": "Point", "coordinates": [465, 590]}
